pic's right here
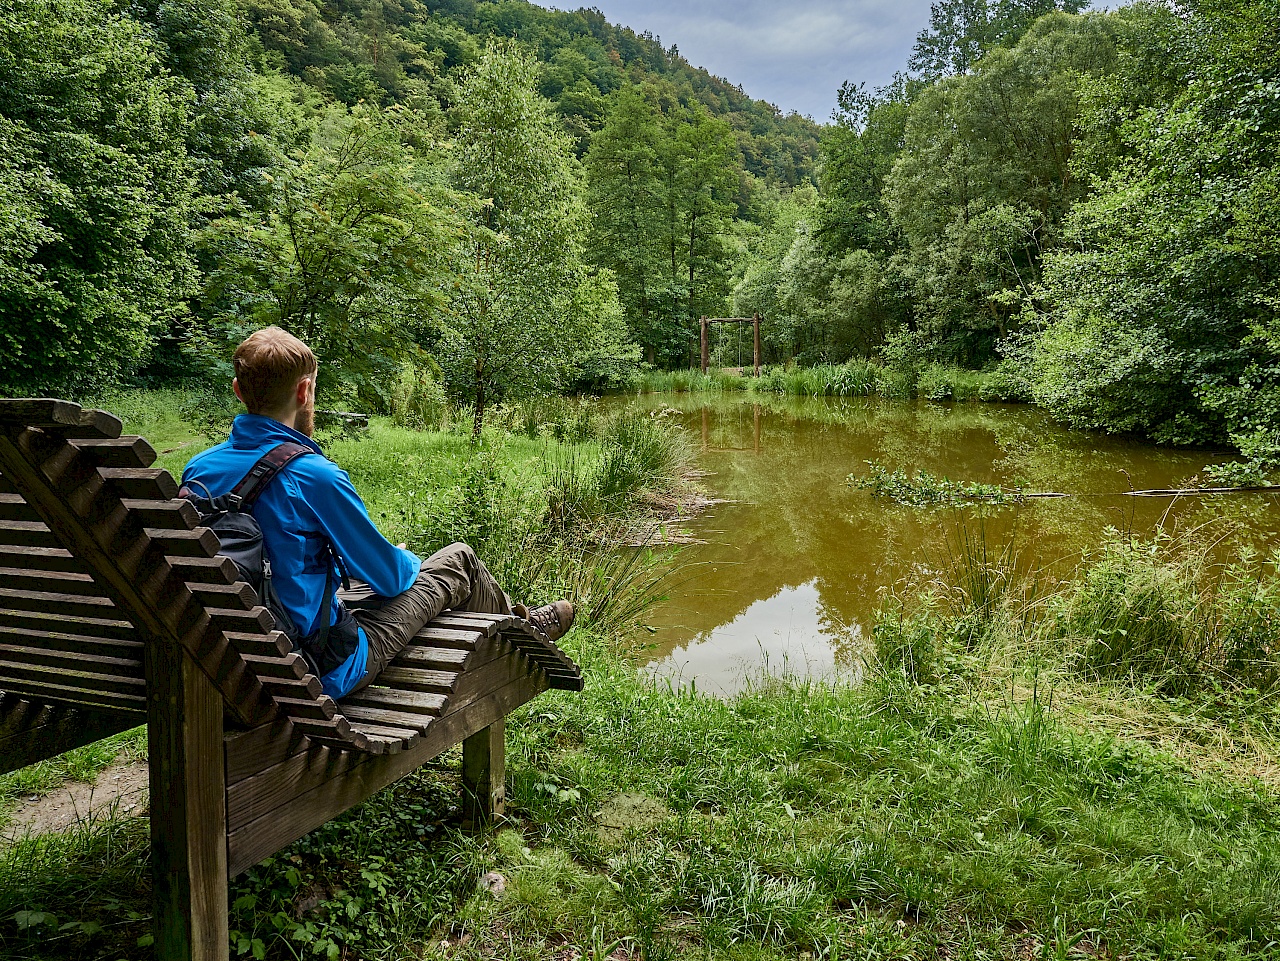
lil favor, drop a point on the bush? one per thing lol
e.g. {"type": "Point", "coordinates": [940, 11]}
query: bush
{"type": "Point", "coordinates": [418, 400]}
{"type": "Point", "coordinates": [910, 646]}
{"type": "Point", "coordinates": [1131, 612]}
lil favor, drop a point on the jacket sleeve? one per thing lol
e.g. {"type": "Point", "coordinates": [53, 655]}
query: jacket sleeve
{"type": "Point", "coordinates": [367, 555]}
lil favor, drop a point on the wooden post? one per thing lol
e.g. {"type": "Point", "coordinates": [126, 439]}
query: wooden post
{"type": "Point", "coordinates": [706, 356]}
{"type": "Point", "coordinates": [484, 775]}
{"type": "Point", "coordinates": [755, 323]}
{"type": "Point", "coordinates": [188, 808]}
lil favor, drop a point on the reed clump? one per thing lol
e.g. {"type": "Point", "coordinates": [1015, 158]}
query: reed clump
{"type": "Point", "coordinates": [858, 377]}
{"type": "Point", "coordinates": [1158, 612]}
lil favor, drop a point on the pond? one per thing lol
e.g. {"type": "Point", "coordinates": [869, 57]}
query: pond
{"type": "Point", "coordinates": [792, 568]}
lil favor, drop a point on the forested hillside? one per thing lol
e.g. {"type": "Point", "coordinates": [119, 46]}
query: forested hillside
{"type": "Point", "coordinates": [176, 173]}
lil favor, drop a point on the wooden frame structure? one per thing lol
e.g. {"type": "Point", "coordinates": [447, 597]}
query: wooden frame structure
{"type": "Point", "coordinates": [115, 610]}
{"type": "Point", "coordinates": [705, 324]}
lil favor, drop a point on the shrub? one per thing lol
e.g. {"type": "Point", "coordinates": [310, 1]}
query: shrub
{"type": "Point", "coordinates": [418, 400]}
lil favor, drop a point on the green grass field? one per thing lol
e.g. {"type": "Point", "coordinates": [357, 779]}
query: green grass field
{"type": "Point", "coordinates": [999, 786]}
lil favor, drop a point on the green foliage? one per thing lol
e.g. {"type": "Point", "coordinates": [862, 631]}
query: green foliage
{"type": "Point", "coordinates": [348, 250]}
{"type": "Point", "coordinates": [513, 319]}
{"type": "Point", "coordinates": [961, 32]}
{"type": "Point", "coordinates": [1158, 314]}
{"type": "Point", "coordinates": [95, 195]}
{"type": "Point", "coordinates": [661, 188]}
{"type": "Point", "coordinates": [983, 181]}
{"type": "Point", "coordinates": [924, 490]}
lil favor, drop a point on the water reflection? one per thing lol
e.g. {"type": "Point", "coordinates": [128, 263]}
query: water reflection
{"type": "Point", "coordinates": [776, 634]}
{"type": "Point", "coordinates": [793, 568]}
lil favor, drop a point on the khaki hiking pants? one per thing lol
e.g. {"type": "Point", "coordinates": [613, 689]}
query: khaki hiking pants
{"type": "Point", "coordinates": [450, 578]}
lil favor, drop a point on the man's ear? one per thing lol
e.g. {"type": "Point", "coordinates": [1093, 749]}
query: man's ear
{"type": "Point", "coordinates": [235, 389]}
{"type": "Point", "coordinates": [303, 392]}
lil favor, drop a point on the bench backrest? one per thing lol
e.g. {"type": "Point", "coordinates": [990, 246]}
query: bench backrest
{"type": "Point", "coordinates": [99, 558]}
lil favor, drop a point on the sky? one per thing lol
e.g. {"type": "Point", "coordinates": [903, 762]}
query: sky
{"type": "Point", "coordinates": [792, 53]}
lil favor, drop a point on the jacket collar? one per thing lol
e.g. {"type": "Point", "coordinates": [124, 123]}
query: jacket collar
{"type": "Point", "coordinates": [251, 431]}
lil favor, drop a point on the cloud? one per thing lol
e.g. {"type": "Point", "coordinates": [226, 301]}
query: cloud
{"type": "Point", "coordinates": [794, 54]}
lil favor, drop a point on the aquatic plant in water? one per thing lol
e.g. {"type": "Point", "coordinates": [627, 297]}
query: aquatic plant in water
{"type": "Point", "coordinates": [925, 490]}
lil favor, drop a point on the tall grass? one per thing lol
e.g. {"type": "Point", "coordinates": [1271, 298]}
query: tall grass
{"type": "Point", "coordinates": [859, 377]}
{"type": "Point", "coordinates": [1156, 612]}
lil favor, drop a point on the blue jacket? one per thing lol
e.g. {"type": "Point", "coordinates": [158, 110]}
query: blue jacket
{"type": "Point", "coordinates": [310, 503]}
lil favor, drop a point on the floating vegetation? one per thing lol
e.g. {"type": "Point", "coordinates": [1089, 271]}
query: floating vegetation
{"type": "Point", "coordinates": [925, 490]}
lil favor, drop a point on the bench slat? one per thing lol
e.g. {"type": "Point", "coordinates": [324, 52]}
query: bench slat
{"type": "Point", "coordinates": [89, 627]}
{"type": "Point", "coordinates": [72, 662]}
{"type": "Point", "coordinates": [14, 508]}
{"type": "Point", "coordinates": [205, 570]}
{"type": "Point", "coordinates": [359, 714]}
{"type": "Point", "coordinates": [417, 679]}
{"type": "Point", "coordinates": [40, 559]}
{"type": "Point", "coordinates": [290, 688]}
{"type": "Point", "coordinates": [409, 702]}
{"type": "Point", "coordinates": [69, 604]}
{"type": "Point", "coordinates": [119, 452]}
{"type": "Point", "coordinates": [58, 644]}
{"type": "Point", "coordinates": [233, 597]}
{"type": "Point", "coordinates": [291, 665]}
{"type": "Point", "coordinates": [176, 514]}
{"type": "Point", "coordinates": [92, 682]}
{"type": "Point", "coordinates": [29, 534]}
{"type": "Point", "coordinates": [59, 416]}
{"type": "Point", "coordinates": [316, 708]}
{"type": "Point", "coordinates": [443, 637]}
{"type": "Point", "coordinates": [256, 621]}
{"type": "Point", "coordinates": [200, 542]}
{"type": "Point", "coordinates": [272, 645]}
{"type": "Point", "coordinates": [151, 483]}
{"type": "Point", "coordinates": [81, 585]}
{"type": "Point", "coordinates": [98, 699]}
{"type": "Point", "coordinates": [407, 735]}
{"type": "Point", "coordinates": [427, 657]}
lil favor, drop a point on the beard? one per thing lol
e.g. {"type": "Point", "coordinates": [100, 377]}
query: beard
{"type": "Point", "coordinates": [305, 422]}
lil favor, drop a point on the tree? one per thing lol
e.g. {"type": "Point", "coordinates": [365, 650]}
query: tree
{"type": "Point", "coordinates": [624, 188]}
{"type": "Point", "coordinates": [858, 151]}
{"type": "Point", "coordinates": [348, 253]}
{"type": "Point", "coordinates": [1161, 315]}
{"type": "Point", "coordinates": [984, 180]}
{"type": "Point", "coordinates": [962, 32]}
{"type": "Point", "coordinates": [514, 319]}
{"type": "Point", "coordinates": [696, 160]}
{"type": "Point", "coordinates": [95, 196]}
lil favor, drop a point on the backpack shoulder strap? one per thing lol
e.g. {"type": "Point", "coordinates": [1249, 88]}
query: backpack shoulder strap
{"type": "Point", "coordinates": [262, 473]}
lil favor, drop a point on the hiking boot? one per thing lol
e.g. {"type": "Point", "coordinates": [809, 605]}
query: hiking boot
{"type": "Point", "coordinates": [553, 620]}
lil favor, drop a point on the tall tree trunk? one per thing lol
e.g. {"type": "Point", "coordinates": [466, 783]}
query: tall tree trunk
{"type": "Point", "coordinates": [478, 423]}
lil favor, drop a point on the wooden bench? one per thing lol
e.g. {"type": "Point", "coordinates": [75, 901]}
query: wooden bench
{"type": "Point", "coordinates": [115, 610]}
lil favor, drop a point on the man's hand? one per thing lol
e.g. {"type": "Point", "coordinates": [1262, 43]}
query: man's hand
{"type": "Point", "coordinates": [403, 547]}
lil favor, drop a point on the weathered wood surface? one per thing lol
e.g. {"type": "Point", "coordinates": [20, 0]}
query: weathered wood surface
{"type": "Point", "coordinates": [188, 807]}
{"type": "Point", "coordinates": [90, 520]}
{"type": "Point", "coordinates": [484, 775]}
{"type": "Point", "coordinates": [325, 782]}
{"type": "Point", "coordinates": [32, 731]}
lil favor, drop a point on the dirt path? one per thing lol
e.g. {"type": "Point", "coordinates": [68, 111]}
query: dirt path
{"type": "Point", "coordinates": [120, 791]}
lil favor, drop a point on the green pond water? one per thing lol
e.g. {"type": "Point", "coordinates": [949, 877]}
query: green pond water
{"type": "Point", "coordinates": [793, 569]}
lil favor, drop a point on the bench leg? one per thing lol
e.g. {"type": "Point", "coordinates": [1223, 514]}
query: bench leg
{"type": "Point", "coordinates": [484, 774]}
{"type": "Point", "coordinates": [188, 809]}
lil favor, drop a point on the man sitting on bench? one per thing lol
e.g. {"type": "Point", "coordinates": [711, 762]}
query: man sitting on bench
{"type": "Point", "coordinates": [316, 531]}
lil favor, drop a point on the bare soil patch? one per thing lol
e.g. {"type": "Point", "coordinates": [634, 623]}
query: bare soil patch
{"type": "Point", "coordinates": [119, 791]}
